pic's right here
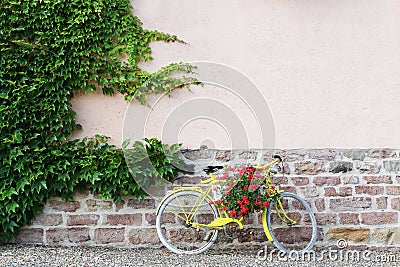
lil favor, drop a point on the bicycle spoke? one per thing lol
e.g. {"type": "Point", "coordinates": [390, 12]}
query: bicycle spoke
{"type": "Point", "coordinates": [181, 222]}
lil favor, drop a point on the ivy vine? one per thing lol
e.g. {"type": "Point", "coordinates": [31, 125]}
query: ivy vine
{"type": "Point", "coordinates": [48, 50]}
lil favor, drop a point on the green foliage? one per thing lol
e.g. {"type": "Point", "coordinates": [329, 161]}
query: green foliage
{"type": "Point", "coordinates": [48, 50]}
{"type": "Point", "coordinates": [152, 162]}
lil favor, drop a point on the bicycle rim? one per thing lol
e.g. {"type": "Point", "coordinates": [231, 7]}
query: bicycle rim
{"type": "Point", "coordinates": [292, 224]}
{"type": "Point", "coordinates": [175, 222]}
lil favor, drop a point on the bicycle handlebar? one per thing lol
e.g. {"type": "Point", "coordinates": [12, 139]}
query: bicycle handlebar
{"type": "Point", "coordinates": [277, 157]}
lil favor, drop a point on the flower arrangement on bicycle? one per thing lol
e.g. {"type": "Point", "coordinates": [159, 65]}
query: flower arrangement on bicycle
{"type": "Point", "coordinates": [241, 194]}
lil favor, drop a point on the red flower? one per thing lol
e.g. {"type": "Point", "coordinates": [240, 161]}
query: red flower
{"type": "Point", "coordinates": [232, 213]}
{"type": "Point", "coordinates": [224, 208]}
{"type": "Point", "coordinates": [245, 200]}
{"type": "Point", "coordinates": [227, 192]}
{"type": "Point", "coordinates": [218, 201]}
{"type": "Point", "coordinates": [273, 187]}
{"type": "Point", "coordinates": [266, 204]}
{"type": "Point", "coordinates": [250, 176]}
{"type": "Point", "coordinates": [253, 187]}
{"type": "Point", "coordinates": [239, 202]}
{"type": "Point", "coordinates": [244, 188]}
{"type": "Point", "coordinates": [250, 170]}
{"type": "Point", "coordinates": [244, 210]}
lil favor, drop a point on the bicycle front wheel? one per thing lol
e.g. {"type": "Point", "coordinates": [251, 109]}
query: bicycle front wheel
{"type": "Point", "coordinates": [291, 224]}
{"type": "Point", "coordinates": [181, 222]}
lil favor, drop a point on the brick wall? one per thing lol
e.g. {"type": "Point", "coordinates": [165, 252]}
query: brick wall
{"type": "Point", "coordinates": [355, 195]}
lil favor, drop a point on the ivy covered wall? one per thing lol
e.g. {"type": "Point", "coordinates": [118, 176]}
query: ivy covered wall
{"type": "Point", "coordinates": [48, 50]}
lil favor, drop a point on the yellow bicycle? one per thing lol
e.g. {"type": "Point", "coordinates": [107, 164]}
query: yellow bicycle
{"type": "Point", "coordinates": [188, 220]}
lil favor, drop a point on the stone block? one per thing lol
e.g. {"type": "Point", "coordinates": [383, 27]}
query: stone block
{"type": "Point", "coordinates": [330, 192]}
{"type": "Point", "coordinates": [325, 218]}
{"type": "Point", "coordinates": [355, 154]}
{"type": "Point", "coordinates": [387, 235]}
{"type": "Point", "coordinates": [349, 218]}
{"type": "Point", "coordinates": [381, 202]}
{"type": "Point", "coordinates": [381, 153]}
{"type": "Point", "coordinates": [340, 166]}
{"type": "Point", "coordinates": [143, 236]}
{"type": "Point", "coordinates": [166, 218]}
{"type": "Point", "coordinates": [78, 235]}
{"type": "Point", "coordinates": [350, 204]}
{"type": "Point", "coordinates": [320, 204]}
{"type": "Point", "coordinates": [141, 204]}
{"type": "Point", "coordinates": [98, 205]}
{"type": "Point", "coordinates": [311, 192]}
{"type": "Point", "coordinates": [345, 191]}
{"type": "Point", "coordinates": [291, 189]}
{"type": "Point", "coordinates": [48, 219]}
{"type": "Point", "coordinates": [349, 234]}
{"type": "Point", "coordinates": [124, 219]}
{"type": "Point", "coordinates": [191, 180]}
{"type": "Point", "coordinates": [72, 235]}
{"type": "Point", "coordinates": [294, 155]}
{"type": "Point", "coordinates": [224, 156]}
{"type": "Point", "coordinates": [57, 235]}
{"type": "Point", "coordinates": [83, 219]}
{"type": "Point", "coordinates": [392, 165]}
{"type": "Point", "coordinates": [249, 235]}
{"type": "Point", "coordinates": [202, 153]}
{"type": "Point", "coordinates": [322, 154]}
{"type": "Point", "coordinates": [109, 235]}
{"type": "Point", "coordinates": [30, 236]}
{"type": "Point", "coordinates": [119, 205]}
{"type": "Point", "coordinates": [395, 203]}
{"type": "Point", "coordinates": [379, 218]}
{"type": "Point", "coordinates": [248, 155]}
{"type": "Point", "coordinates": [150, 218]}
{"type": "Point", "coordinates": [71, 206]}
{"type": "Point", "coordinates": [369, 190]}
{"type": "Point", "coordinates": [382, 179]}
{"type": "Point", "coordinates": [369, 167]}
{"type": "Point", "coordinates": [393, 190]}
{"type": "Point", "coordinates": [300, 181]}
{"type": "Point", "coordinates": [330, 180]}
{"type": "Point", "coordinates": [309, 167]}
{"type": "Point", "coordinates": [350, 180]}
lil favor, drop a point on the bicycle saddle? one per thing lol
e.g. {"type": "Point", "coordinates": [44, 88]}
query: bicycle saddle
{"type": "Point", "coordinates": [210, 169]}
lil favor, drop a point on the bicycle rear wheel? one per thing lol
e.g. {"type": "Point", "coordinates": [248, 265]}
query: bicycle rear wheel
{"type": "Point", "coordinates": [291, 224]}
{"type": "Point", "coordinates": [176, 217]}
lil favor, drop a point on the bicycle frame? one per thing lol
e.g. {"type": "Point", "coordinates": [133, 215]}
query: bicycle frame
{"type": "Point", "coordinates": [224, 218]}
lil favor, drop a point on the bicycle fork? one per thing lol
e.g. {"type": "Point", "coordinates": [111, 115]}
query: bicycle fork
{"type": "Point", "coordinates": [282, 216]}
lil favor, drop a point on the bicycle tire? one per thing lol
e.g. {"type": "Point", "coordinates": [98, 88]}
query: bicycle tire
{"type": "Point", "coordinates": [297, 238]}
{"type": "Point", "coordinates": [175, 234]}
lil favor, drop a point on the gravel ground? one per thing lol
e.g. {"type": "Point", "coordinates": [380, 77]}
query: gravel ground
{"type": "Point", "coordinates": [24, 255]}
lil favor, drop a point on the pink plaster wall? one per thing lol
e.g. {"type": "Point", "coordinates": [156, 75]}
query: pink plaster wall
{"type": "Point", "coordinates": [329, 70]}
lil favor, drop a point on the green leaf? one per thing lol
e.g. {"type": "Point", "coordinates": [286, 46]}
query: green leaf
{"type": "Point", "coordinates": [126, 143]}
